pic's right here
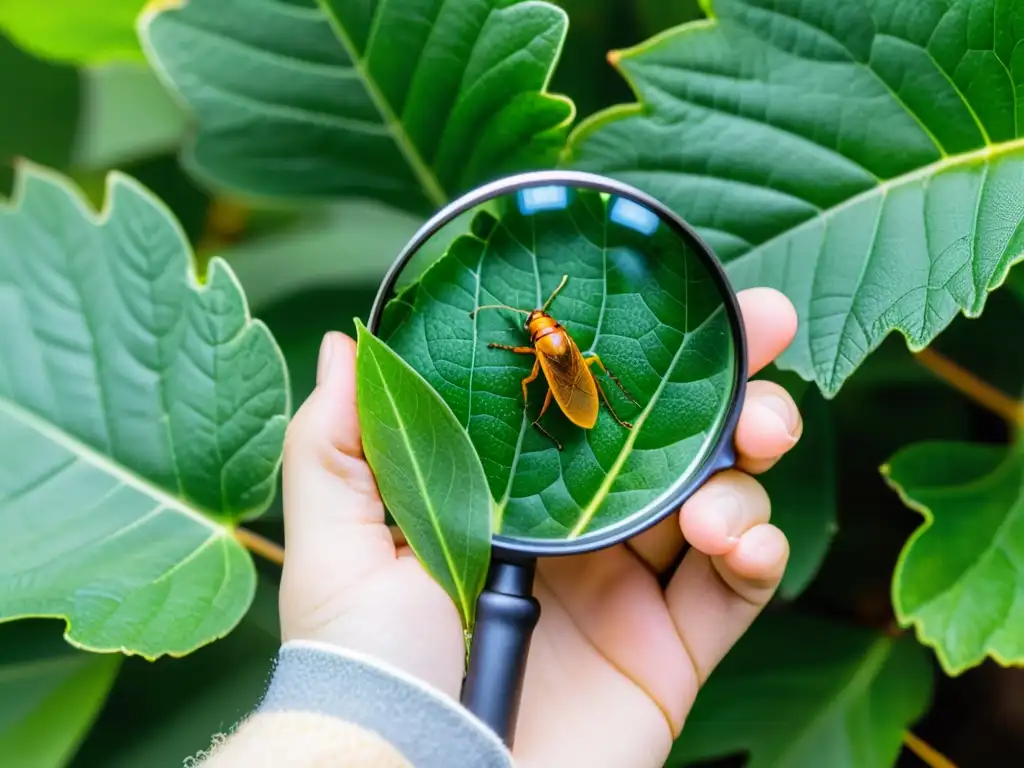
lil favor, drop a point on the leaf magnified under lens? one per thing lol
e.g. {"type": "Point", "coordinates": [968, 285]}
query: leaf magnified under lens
{"type": "Point", "coordinates": [638, 295]}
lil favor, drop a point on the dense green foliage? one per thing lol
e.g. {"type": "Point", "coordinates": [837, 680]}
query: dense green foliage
{"type": "Point", "coordinates": [866, 157]}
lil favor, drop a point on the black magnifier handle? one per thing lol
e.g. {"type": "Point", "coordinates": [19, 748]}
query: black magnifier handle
{"type": "Point", "coordinates": [506, 614]}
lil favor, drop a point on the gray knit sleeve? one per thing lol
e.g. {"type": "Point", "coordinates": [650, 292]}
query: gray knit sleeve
{"type": "Point", "coordinates": [427, 727]}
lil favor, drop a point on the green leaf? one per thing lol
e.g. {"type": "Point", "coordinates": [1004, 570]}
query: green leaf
{"type": "Point", "coordinates": [299, 322]}
{"type": "Point", "coordinates": [805, 693]}
{"type": "Point", "coordinates": [1015, 282]}
{"type": "Point", "coordinates": [141, 417]}
{"type": "Point", "coordinates": [43, 125]}
{"type": "Point", "coordinates": [657, 15]}
{"type": "Point", "coordinates": [406, 102]}
{"type": "Point", "coordinates": [73, 31]}
{"type": "Point", "coordinates": [428, 474]}
{"type": "Point", "coordinates": [958, 580]}
{"type": "Point", "coordinates": [863, 157]}
{"type": "Point", "coordinates": [349, 243]}
{"type": "Point", "coordinates": [160, 713]}
{"type": "Point", "coordinates": [49, 694]}
{"type": "Point", "coordinates": [802, 487]}
{"type": "Point", "coordinates": [94, 118]}
{"type": "Point", "coordinates": [127, 114]}
{"type": "Point", "coordinates": [656, 320]}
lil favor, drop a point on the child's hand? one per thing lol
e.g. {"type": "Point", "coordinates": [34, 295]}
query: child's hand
{"type": "Point", "coordinates": [616, 661]}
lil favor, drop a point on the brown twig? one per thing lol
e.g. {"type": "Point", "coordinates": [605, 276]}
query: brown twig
{"type": "Point", "coordinates": [969, 385]}
{"type": "Point", "coordinates": [260, 545]}
{"type": "Point", "coordinates": [926, 752]}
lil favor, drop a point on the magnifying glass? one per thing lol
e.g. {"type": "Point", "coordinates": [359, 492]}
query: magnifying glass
{"type": "Point", "coordinates": [600, 377]}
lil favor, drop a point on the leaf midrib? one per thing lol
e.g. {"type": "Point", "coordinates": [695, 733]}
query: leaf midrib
{"type": "Point", "coordinates": [424, 489]}
{"type": "Point", "coordinates": [952, 161]}
{"type": "Point", "coordinates": [428, 180]}
{"type": "Point", "coordinates": [58, 436]}
{"type": "Point", "coordinates": [588, 512]}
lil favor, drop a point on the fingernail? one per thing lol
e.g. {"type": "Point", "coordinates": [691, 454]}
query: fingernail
{"type": "Point", "coordinates": [789, 420]}
{"type": "Point", "coordinates": [323, 363]}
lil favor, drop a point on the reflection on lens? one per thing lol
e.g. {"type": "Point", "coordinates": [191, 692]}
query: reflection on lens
{"type": "Point", "coordinates": [630, 365]}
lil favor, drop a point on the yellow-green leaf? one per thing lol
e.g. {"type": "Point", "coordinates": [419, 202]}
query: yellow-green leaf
{"type": "Point", "coordinates": [959, 579]}
{"type": "Point", "coordinates": [74, 31]}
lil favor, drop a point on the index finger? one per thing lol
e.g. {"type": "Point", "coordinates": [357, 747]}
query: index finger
{"type": "Point", "coordinates": [770, 322]}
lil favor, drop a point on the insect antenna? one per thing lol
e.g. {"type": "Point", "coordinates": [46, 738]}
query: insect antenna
{"type": "Point", "coordinates": [561, 285]}
{"type": "Point", "coordinates": [499, 306]}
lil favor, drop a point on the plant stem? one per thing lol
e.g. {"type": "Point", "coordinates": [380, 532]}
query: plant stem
{"type": "Point", "coordinates": [926, 752]}
{"type": "Point", "coordinates": [260, 545]}
{"type": "Point", "coordinates": [965, 382]}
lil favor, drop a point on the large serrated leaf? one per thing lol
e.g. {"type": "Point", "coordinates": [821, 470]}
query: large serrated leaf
{"type": "Point", "coordinates": [865, 157]}
{"type": "Point", "coordinates": [958, 581]}
{"type": "Point", "coordinates": [428, 474]}
{"type": "Point", "coordinates": [641, 299]}
{"type": "Point", "coordinates": [141, 416]}
{"type": "Point", "coordinates": [407, 102]}
{"type": "Point", "coordinates": [798, 692]}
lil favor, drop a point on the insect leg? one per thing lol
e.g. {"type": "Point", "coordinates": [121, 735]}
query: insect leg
{"type": "Point", "coordinates": [532, 377]}
{"type": "Point", "coordinates": [519, 350]}
{"type": "Point", "coordinates": [536, 422]}
{"type": "Point", "coordinates": [595, 360]}
{"type": "Point", "coordinates": [611, 410]}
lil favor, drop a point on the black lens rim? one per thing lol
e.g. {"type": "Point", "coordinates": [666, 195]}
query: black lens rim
{"type": "Point", "coordinates": [722, 454]}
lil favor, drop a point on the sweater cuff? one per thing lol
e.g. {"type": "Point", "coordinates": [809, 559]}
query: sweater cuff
{"type": "Point", "coordinates": [426, 726]}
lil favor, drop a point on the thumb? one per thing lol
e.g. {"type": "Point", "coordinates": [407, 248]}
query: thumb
{"type": "Point", "coordinates": [333, 516]}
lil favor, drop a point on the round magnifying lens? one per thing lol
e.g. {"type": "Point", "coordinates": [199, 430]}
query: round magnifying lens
{"type": "Point", "coordinates": [591, 345]}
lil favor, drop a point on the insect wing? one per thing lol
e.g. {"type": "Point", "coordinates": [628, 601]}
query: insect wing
{"type": "Point", "coordinates": [570, 381]}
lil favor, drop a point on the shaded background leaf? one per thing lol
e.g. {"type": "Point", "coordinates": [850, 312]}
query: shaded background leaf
{"type": "Point", "coordinates": [802, 692]}
{"type": "Point", "coordinates": [50, 694]}
{"type": "Point", "coordinates": [892, 197]}
{"type": "Point", "coordinates": [803, 493]}
{"type": "Point", "coordinates": [599, 26]}
{"type": "Point", "coordinates": [349, 243]}
{"type": "Point", "coordinates": [88, 119]}
{"type": "Point", "coordinates": [45, 124]}
{"type": "Point", "coordinates": [163, 429]}
{"type": "Point", "coordinates": [127, 115]}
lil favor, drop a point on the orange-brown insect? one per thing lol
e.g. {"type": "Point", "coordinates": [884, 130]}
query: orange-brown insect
{"type": "Point", "coordinates": [570, 380]}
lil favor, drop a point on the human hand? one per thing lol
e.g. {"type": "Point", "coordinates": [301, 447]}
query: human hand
{"type": "Point", "coordinates": [616, 660]}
